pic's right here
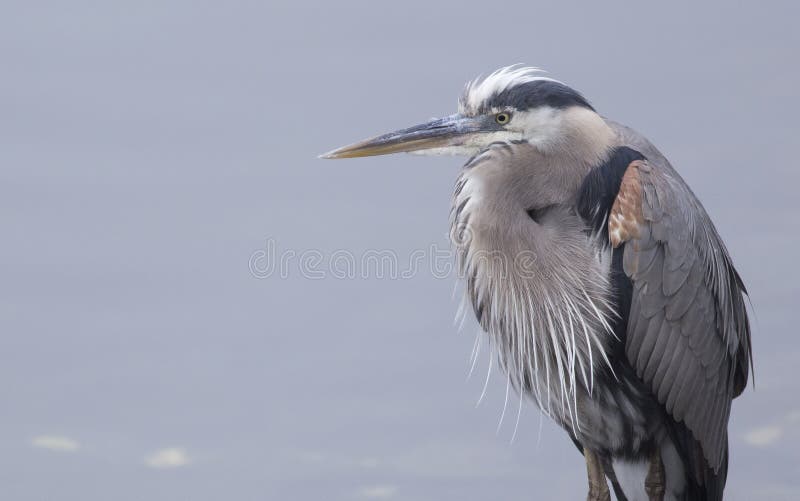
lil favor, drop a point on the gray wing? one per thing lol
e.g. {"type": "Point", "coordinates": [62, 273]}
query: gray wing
{"type": "Point", "coordinates": [688, 334]}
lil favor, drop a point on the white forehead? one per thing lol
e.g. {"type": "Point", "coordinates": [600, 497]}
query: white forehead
{"type": "Point", "coordinates": [481, 89]}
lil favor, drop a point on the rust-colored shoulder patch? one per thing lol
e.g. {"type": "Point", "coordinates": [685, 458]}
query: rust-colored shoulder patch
{"type": "Point", "coordinates": [626, 214]}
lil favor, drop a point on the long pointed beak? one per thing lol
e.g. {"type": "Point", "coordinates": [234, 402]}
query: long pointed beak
{"type": "Point", "coordinates": [438, 133]}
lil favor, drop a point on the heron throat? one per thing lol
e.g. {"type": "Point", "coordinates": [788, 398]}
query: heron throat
{"type": "Point", "coordinates": [536, 278]}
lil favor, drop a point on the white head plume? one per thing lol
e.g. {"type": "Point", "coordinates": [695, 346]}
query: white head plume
{"type": "Point", "coordinates": [478, 91]}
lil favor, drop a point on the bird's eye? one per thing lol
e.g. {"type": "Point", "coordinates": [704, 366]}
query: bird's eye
{"type": "Point", "coordinates": [502, 118]}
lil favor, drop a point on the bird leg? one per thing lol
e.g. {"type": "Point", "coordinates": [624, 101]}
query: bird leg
{"type": "Point", "coordinates": [655, 482]}
{"type": "Point", "coordinates": [598, 487]}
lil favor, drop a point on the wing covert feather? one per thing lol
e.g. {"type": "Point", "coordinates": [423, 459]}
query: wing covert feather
{"type": "Point", "coordinates": [690, 338]}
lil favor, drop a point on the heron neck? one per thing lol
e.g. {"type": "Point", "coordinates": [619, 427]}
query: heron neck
{"type": "Point", "coordinates": [584, 139]}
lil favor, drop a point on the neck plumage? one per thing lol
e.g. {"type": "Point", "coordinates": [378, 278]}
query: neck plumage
{"type": "Point", "coordinates": [579, 137]}
{"type": "Point", "coordinates": [536, 285]}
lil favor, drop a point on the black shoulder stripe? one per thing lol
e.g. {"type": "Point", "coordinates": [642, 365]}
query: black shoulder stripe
{"type": "Point", "coordinates": [601, 185]}
{"type": "Point", "coordinates": [595, 200]}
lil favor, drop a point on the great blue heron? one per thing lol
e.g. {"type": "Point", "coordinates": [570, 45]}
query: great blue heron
{"type": "Point", "coordinates": [599, 277]}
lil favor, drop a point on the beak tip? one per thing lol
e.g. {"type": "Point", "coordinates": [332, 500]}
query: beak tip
{"type": "Point", "coordinates": [329, 155]}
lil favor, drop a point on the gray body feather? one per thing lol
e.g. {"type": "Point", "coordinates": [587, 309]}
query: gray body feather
{"type": "Point", "coordinates": [549, 318]}
{"type": "Point", "coordinates": [689, 337]}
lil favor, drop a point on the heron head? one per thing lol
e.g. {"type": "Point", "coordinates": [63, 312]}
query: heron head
{"type": "Point", "coordinates": [513, 104]}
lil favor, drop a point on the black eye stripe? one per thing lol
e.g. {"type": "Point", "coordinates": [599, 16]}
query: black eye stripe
{"type": "Point", "coordinates": [535, 94]}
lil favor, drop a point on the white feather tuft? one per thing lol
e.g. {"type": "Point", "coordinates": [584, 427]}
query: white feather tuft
{"type": "Point", "coordinates": [478, 91]}
{"type": "Point", "coordinates": [547, 332]}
